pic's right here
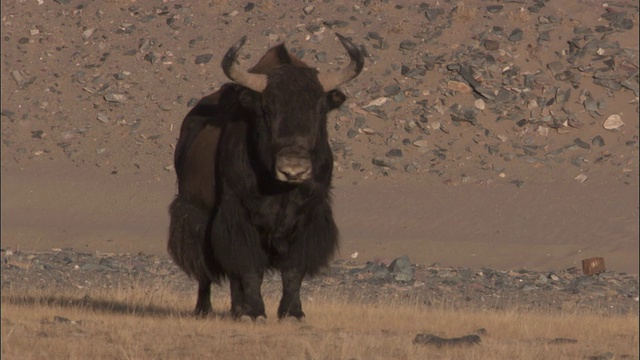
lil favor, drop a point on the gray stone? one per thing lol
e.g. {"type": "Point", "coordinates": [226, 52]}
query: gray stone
{"type": "Point", "coordinates": [516, 35]}
{"type": "Point", "coordinates": [94, 267]}
{"type": "Point", "coordinates": [581, 143]}
{"type": "Point", "coordinates": [381, 162]}
{"type": "Point", "coordinates": [351, 133]}
{"type": "Point", "coordinates": [556, 67]}
{"type": "Point", "coordinates": [391, 90]}
{"type": "Point", "coordinates": [203, 59]}
{"type": "Point", "coordinates": [394, 153]}
{"type": "Point", "coordinates": [407, 45]}
{"type": "Point", "coordinates": [401, 269]}
{"type": "Point", "coordinates": [597, 141]}
{"type": "Point", "coordinates": [491, 45]}
{"type": "Point", "coordinates": [433, 13]}
{"type": "Point", "coordinates": [335, 23]}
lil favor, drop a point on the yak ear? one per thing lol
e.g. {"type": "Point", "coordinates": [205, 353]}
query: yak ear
{"type": "Point", "coordinates": [335, 98]}
{"type": "Point", "coordinates": [283, 54]}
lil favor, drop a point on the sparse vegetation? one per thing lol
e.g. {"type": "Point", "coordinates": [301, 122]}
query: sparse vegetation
{"type": "Point", "coordinates": [155, 323]}
{"type": "Point", "coordinates": [464, 13]}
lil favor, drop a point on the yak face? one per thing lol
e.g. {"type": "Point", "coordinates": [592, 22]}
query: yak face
{"type": "Point", "coordinates": [291, 119]}
{"type": "Point", "coordinates": [294, 109]}
{"type": "Point", "coordinates": [291, 102]}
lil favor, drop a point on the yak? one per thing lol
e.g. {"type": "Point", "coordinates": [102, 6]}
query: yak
{"type": "Point", "coordinates": [254, 167]}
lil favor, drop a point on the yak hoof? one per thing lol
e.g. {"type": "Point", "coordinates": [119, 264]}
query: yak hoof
{"type": "Point", "coordinates": [202, 313]}
{"type": "Point", "coordinates": [298, 315]}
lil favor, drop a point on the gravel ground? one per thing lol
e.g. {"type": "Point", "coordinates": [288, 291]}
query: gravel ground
{"type": "Point", "coordinates": [374, 282]}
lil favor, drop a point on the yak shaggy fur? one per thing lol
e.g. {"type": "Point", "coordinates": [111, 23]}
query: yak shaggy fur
{"type": "Point", "coordinates": [232, 217]}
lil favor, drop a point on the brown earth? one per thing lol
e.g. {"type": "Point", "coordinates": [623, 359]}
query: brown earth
{"type": "Point", "coordinates": [80, 171]}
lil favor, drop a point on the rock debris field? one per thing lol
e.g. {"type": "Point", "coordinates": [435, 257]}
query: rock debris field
{"type": "Point", "coordinates": [399, 280]}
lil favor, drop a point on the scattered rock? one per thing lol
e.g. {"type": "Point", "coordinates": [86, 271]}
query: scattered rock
{"type": "Point", "coordinates": [597, 141]}
{"type": "Point", "coordinates": [394, 153]}
{"type": "Point", "coordinates": [459, 86]}
{"type": "Point", "coordinates": [203, 59]}
{"type": "Point", "coordinates": [562, 341]}
{"type": "Point", "coordinates": [401, 269]}
{"type": "Point", "coordinates": [103, 118]}
{"type": "Point", "coordinates": [336, 24]}
{"type": "Point", "coordinates": [87, 33]}
{"type": "Point", "coordinates": [491, 45]}
{"type": "Point", "coordinates": [22, 79]}
{"type": "Point", "coordinates": [60, 319]}
{"type": "Point", "coordinates": [613, 122]}
{"type": "Point", "coordinates": [308, 10]}
{"type": "Point", "coordinates": [516, 35]}
{"type": "Point", "coordinates": [439, 342]}
{"type": "Point", "coordinates": [608, 292]}
{"type": "Point", "coordinates": [581, 143]}
{"type": "Point", "coordinates": [381, 162]}
{"type": "Point", "coordinates": [407, 45]}
{"type": "Point", "coordinates": [581, 178]}
{"type": "Point", "coordinates": [603, 356]}
{"type": "Point", "coordinates": [114, 98]}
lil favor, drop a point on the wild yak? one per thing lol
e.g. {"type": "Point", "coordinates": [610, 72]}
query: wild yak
{"type": "Point", "coordinates": [254, 166]}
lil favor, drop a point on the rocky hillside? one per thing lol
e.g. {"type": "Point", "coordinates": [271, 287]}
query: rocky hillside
{"type": "Point", "coordinates": [455, 92]}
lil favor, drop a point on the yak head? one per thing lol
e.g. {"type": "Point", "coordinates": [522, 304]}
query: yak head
{"type": "Point", "coordinates": [291, 102]}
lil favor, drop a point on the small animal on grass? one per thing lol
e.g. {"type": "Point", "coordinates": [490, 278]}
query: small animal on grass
{"type": "Point", "coordinates": [254, 167]}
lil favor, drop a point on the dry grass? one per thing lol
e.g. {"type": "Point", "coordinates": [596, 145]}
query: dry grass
{"type": "Point", "coordinates": [519, 17]}
{"type": "Point", "coordinates": [157, 324]}
{"type": "Point", "coordinates": [464, 13]}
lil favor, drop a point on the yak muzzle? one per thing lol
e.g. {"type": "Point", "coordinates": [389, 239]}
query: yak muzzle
{"type": "Point", "coordinates": [293, 168]}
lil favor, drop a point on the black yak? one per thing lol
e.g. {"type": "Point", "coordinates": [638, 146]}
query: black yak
{"type": "Point", "coordinates": [254, 168]}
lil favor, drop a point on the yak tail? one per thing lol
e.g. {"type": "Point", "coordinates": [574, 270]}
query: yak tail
{"type": "Point", "coordinates": [188, 235]}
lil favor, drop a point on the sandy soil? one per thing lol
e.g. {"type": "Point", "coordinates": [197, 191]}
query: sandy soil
{"type": "Point", "coordinates": [541, 227]}
{"type": "Point", "coordinates": [72, 181]}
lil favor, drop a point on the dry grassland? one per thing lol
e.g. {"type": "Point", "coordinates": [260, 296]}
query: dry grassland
{"type": "Point", "coordinates": [157, 324]}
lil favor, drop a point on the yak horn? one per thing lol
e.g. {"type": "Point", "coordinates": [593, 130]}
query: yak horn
{"type": "Point", "coordinates": [255, 82]}
{"type": "Point", "coordinates": [331, 81]}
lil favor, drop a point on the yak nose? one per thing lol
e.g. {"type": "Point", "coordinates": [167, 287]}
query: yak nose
{"type": "Point", "coordinates": [293, 169]}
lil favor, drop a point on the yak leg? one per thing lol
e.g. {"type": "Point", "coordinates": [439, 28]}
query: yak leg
{"type": "Point", "coordinates": [237, 295]}
{"type": "Point", "coordinates": [246, 298]}
{"type": "Point", "coordinates": [203, 305]}
{"type": "Point", "coordinates": [290, 304]}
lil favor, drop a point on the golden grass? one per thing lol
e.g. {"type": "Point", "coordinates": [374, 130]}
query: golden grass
{"type": "Point", "coordinates": [154, 323]}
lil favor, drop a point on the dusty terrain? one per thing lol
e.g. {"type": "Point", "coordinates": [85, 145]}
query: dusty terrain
{"type": "Point", "coordinates": [494, 143]}
{"type": "Point", "coordinates": [474, 137]}
{"type": "Point", "coordinates": [64, 304]}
